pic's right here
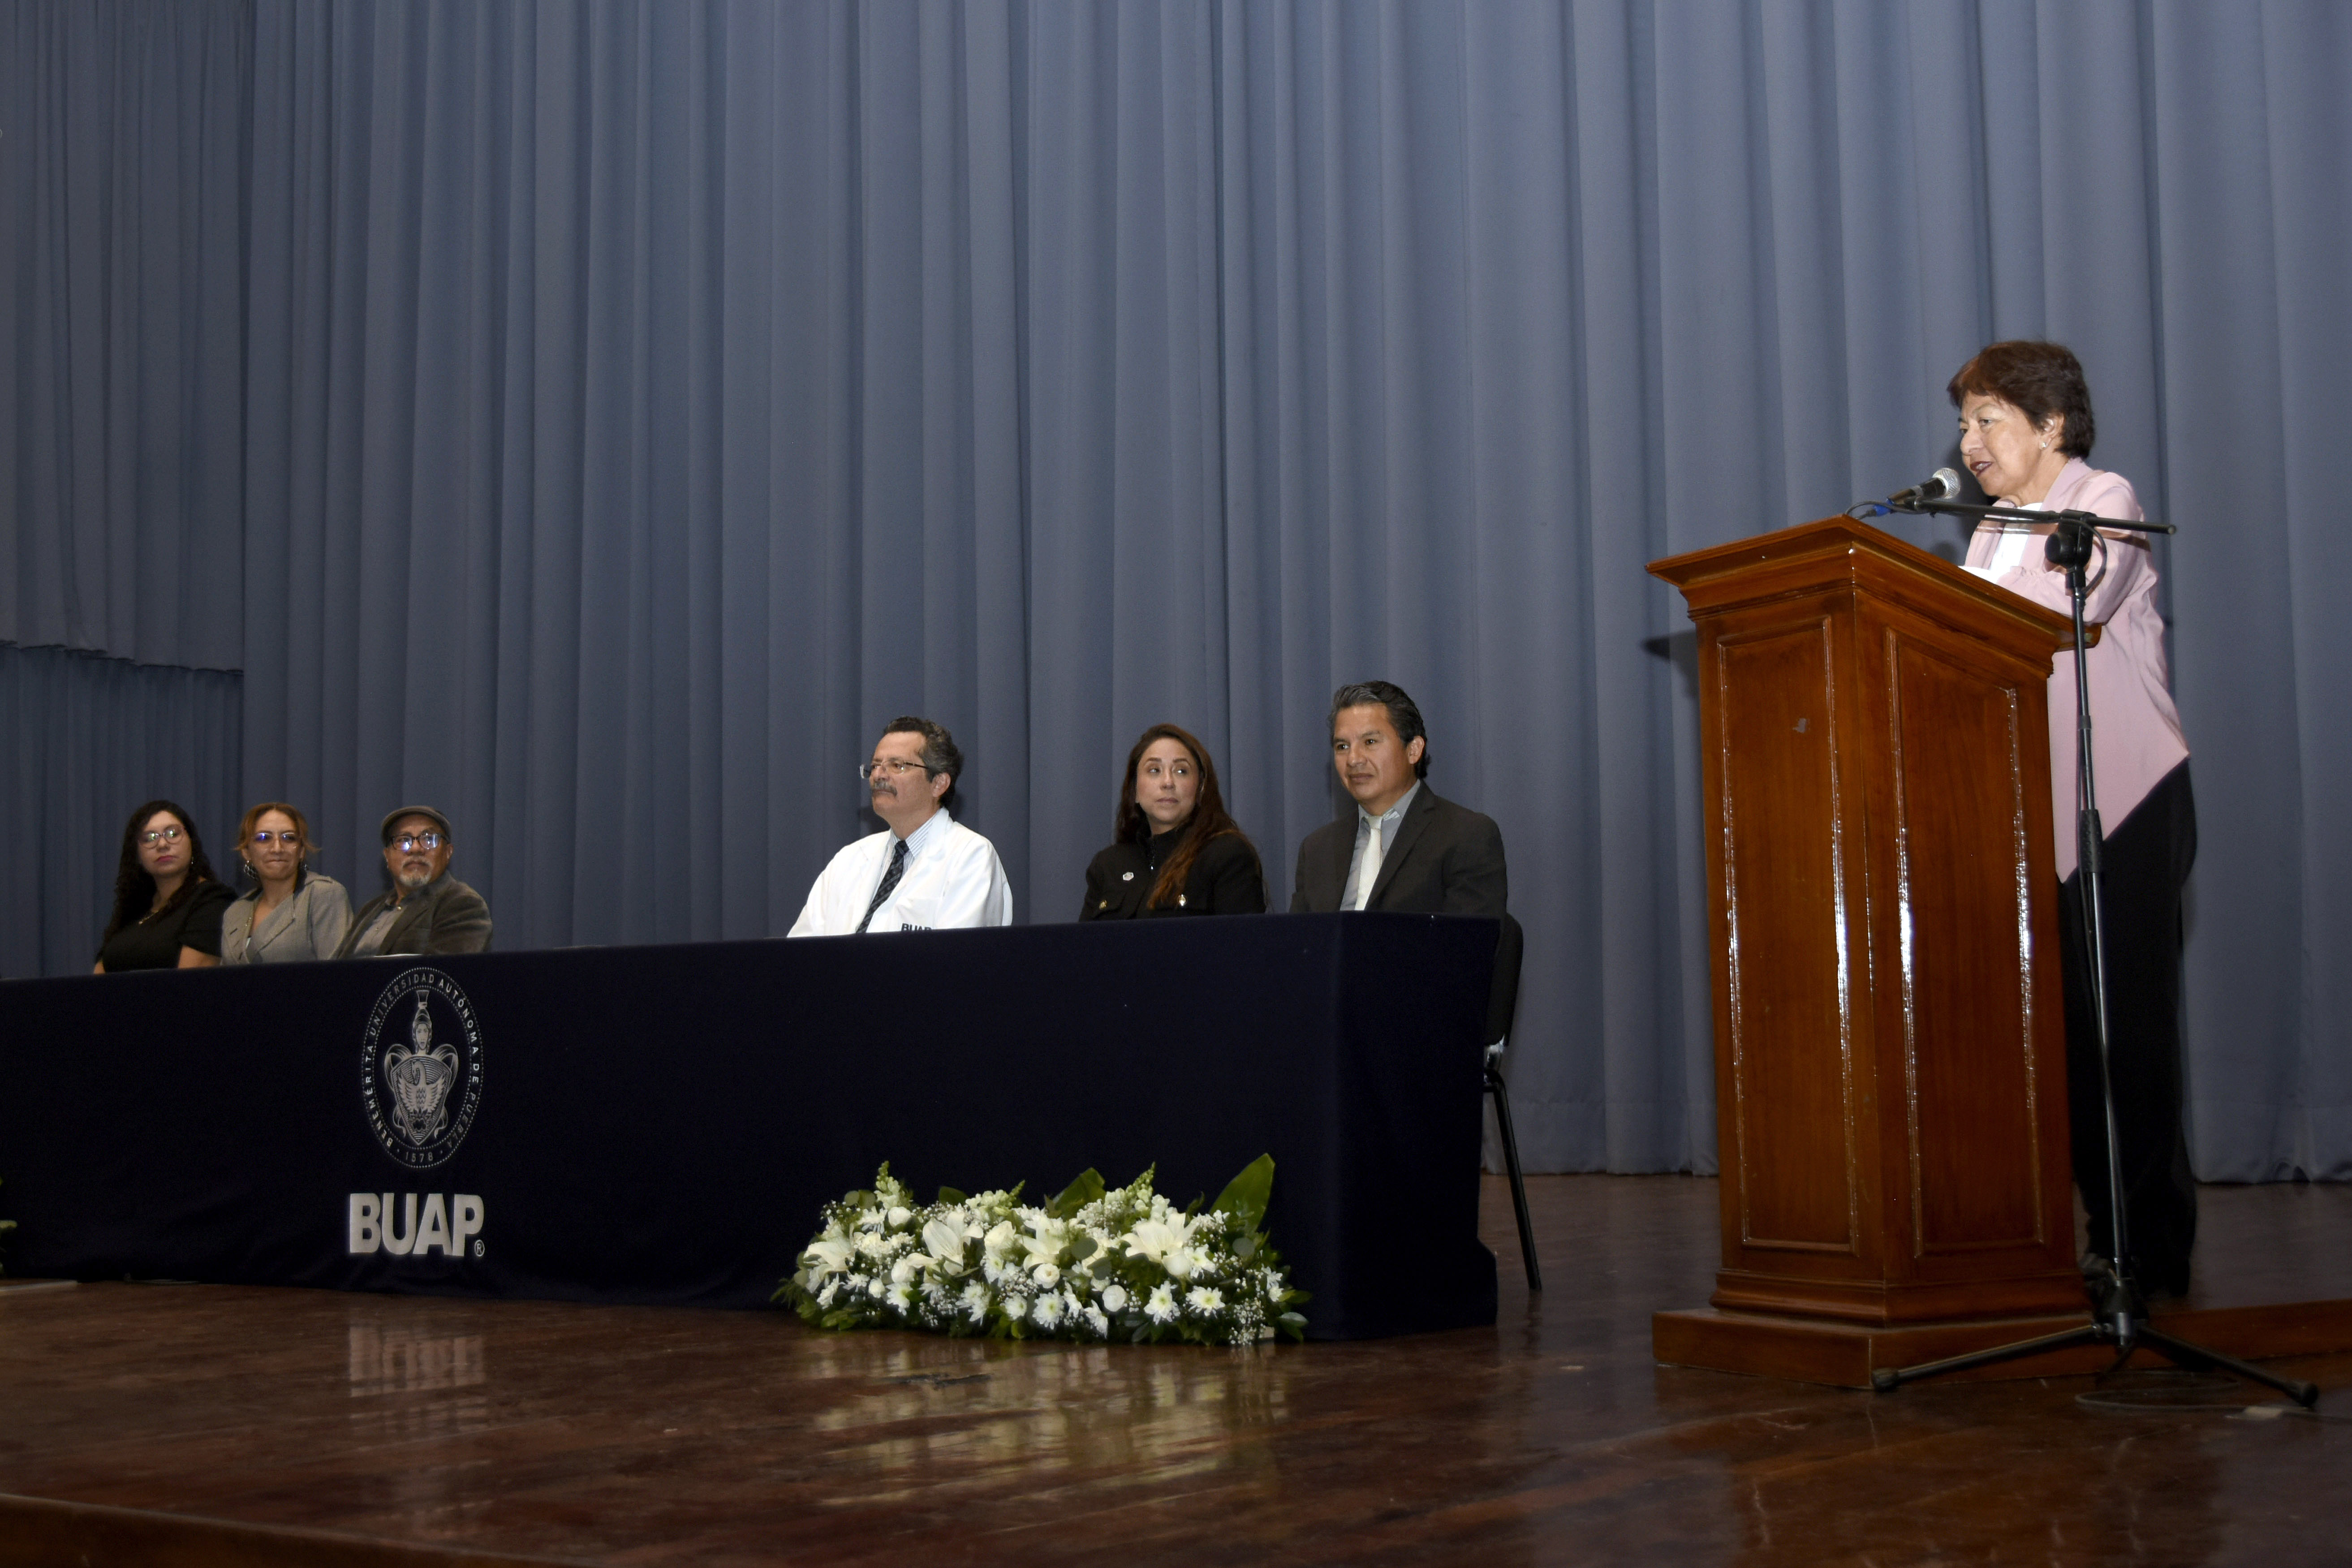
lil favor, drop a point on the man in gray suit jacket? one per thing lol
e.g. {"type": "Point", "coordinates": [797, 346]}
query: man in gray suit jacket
{"type": "Point", "coordinates": [427, 911]}
{"type": "Point", "coordinates": [1402, 848]}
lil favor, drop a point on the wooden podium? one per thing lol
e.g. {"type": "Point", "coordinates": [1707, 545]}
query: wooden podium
{"type": "Point", "coordinates": [1889, 1027]}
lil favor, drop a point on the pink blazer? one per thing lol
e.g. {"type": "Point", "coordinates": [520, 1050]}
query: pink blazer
{"type": "Point", "coordinates": [2135, 736]}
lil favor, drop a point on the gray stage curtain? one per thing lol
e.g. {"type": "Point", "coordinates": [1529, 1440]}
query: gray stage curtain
{"type": "Point", "coordinates": [644, 403]}
{"type": "Point", "coordinates": [83, 742]}
{"type": "Point", "coordinates": [122, 228]}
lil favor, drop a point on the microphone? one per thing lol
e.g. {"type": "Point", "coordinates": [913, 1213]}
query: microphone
{"type": "Point", "coordinates": [1943, 485]}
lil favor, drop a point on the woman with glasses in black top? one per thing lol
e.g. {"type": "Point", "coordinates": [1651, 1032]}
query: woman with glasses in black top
{"type": "Point", "coordinates": [167, 902]}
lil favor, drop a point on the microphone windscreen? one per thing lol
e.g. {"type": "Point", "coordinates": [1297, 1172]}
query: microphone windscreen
{"type": "Point", "coordinates": [1943, 487]}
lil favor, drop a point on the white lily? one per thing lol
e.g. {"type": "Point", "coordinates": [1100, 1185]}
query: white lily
{"type": "Point", "coordinates": [1046, 1238]}
{"type": "Point", "coordinates": [830, 1254]}
{"type": "Point", "coordinates": [944, 1242]}
{"type": "Point", "coordinates": [1156, 1240]}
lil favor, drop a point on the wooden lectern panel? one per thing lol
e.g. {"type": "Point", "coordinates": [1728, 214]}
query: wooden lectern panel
{"type": "Point", "coordinates": [1889, 1035]}
{"type": "Point", "coordinates": [1792, 1101]}
{"type": "Point", "coordinates": [1974, 1154]}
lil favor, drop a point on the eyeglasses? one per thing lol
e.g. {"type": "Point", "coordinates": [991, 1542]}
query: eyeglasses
{"type": "Point", "coordinates": [165, 835]}
{"type": "Point", "coordinates": [409, 843]}
{"type": "Point", "coordinates": [899, 768]}
{"type": "Point", "coordinates": [265, 838]}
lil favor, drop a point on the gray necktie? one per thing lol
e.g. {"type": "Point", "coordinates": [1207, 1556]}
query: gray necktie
{"type": "Point", "coordinates": [889, 881]}
{"type": "Point", "coordinates": [1368, 872]}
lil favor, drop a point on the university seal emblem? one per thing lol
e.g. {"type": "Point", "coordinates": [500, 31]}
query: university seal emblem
{"type": "Point", "coordinates": [421, 1068]}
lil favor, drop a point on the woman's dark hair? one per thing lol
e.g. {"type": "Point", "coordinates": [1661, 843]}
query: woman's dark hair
{"type": "Point", "coordinates": [253, 816]}
{"type": "Point", "coordinates": [134, 889]}
{"type": "Point", "coordinates": [1210, 818]}
{"type": "Point", "coordinates": [2038, 380]}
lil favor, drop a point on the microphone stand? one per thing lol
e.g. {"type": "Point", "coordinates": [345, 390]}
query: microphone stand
{"type": "Point", "coordinates": [2118, 1308]}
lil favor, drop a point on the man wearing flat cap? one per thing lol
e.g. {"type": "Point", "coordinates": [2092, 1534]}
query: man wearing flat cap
{"type": "Point", "coordinates": [427, 911]}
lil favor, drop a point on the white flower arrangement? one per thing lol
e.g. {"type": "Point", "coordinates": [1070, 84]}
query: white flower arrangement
{"type": "Point", "coordinates": [1095, 1264]}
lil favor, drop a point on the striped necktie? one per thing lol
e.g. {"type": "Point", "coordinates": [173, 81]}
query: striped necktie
{"type": "Point", "coordinates": [889, 881]}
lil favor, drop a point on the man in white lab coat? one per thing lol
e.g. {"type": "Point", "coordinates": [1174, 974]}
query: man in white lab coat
{"type": "Point", "coordinates": [924, 871]}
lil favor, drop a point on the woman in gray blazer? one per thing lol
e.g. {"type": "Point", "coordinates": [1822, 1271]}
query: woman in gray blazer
{"type": "Point", "coordinates": [291, 913]}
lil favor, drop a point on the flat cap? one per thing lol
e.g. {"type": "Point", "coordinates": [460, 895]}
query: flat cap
{"type": "Point", "coordinates": [448, 832]}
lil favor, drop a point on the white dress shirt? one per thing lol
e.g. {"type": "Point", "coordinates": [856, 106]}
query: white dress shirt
{"type": "Point", "coordinates": [952, 878]}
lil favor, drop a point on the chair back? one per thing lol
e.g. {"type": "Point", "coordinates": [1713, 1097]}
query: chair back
{"type": "Point", "coordinates": [1502, 998]}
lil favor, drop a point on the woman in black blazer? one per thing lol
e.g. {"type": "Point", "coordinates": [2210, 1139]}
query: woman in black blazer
{"type": "Point", "coordinates": [1179, 850]}
{"type": "Point", "coordinates": [167, 902]}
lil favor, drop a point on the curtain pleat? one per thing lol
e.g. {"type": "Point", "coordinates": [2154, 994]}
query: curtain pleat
{"type": "Point", "coordinates": [124, 157]}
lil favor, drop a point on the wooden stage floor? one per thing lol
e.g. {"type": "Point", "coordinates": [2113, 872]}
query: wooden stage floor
{"type": "Point", "coordinates": [185, 1423]}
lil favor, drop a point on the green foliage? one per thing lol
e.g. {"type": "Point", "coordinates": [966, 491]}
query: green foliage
{"type": "Point", "coordinates": [1086, 1189]}
{"type": "Point", "coordinates": [1246, 1195]}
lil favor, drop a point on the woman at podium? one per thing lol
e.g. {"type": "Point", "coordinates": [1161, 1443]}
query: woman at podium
{"type": "Point", "coordinates": [1176, 849]}
{"type": "Point", "coordinates": [2025, 433]}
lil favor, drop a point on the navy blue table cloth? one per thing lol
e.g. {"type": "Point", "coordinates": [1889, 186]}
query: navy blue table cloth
{"type": "Point", "coordinates": [661, 1124]}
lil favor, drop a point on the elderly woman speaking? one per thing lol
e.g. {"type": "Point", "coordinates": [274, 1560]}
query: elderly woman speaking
{"type": "Point", "coordinates": [2025, 433]}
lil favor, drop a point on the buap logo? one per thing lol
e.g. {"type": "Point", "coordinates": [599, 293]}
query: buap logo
{"type": "Point", "coordinates": [421, 1068]}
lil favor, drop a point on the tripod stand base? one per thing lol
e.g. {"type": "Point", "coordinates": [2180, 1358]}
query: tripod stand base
{"type": "Point", "coordinates": [2106, 1335]}
{"type": "Point", "coordinates": [1847, 1356]}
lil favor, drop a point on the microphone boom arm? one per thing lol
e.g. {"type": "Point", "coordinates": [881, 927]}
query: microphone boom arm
{"type": "Point", "coordinates": [2019, 514]}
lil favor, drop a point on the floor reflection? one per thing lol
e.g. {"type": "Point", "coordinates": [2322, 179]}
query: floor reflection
{"type": "Point", "coordinates": [388, 1358]}
{"type": "Point", "coordinates": [972, 1403]}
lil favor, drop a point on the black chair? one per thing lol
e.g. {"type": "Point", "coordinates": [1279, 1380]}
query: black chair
{"type": "Point", "coordinates": [1502, 1008]}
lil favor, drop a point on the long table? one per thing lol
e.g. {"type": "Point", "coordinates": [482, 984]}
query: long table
{"type": "Point", "coordinates": [661, 1124]}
